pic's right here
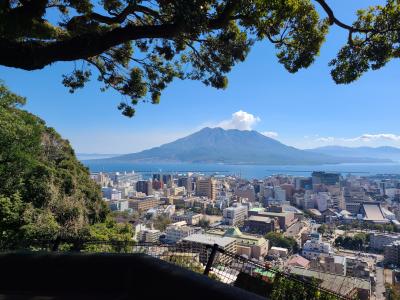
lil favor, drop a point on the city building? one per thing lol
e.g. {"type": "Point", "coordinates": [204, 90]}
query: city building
{"type": "Point", "coordinates": [333, 264]}
{"type": "Point", "coordinates": [200, 243]}
{"type": "Point", "coordinates": [260, 225]}
{"type": "Point", "coordinates": [248, 245]}
{"type": "Point", "coordinates": [125, 178]}
{"type": "Point", "coordinates": [143, 204]}
{"type": "Point", "coordinates": [144, 186]}
{"type": "Point", "coordinates": [189, 217]}
{"type": "Point", "coordinates": [372, 213]}
{"type": "Point", "coordinates": [206, 187]}
{"type": "Point", "coordinates": [118, 205]}
{"type": "Point", "coordinates": [356, 267]}
{"type": "Point", "coordinates": [325, 178]}
{"type": "Point", "coordinates": [279, 194]}
{"type": "Point", "coordinates": [392, 253]}
{"type": "Point", "coordinates": [149, 236]}
{"type": "Point", "coordinates": [298, 261]}
{"type": "Point", "coordinates": [234, 216]}
{"type": "Point", "coordinates": [167, 179]}
{"type": "Point", "coordinates": [179, 230]}
{"type": "Point", "coordinates": [315, 247]}
{"type": "Point", "coordinates": [185, 182]}
{"type": "Point", "coordinates": [111, 193]}
{"type": "Point", "coordinates": [278, 251]}
{"type": "Point", "coordinates": [285, 219]}
{"type": "Point", "coordinates": [379, 240]}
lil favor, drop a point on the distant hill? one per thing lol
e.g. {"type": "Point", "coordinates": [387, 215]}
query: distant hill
{"type": "Point", "coordinates": [216, 145]}
{"type": "Point", "coordinates": [391, 153]}
{"type": "Point", "coordinates": [90, 156]}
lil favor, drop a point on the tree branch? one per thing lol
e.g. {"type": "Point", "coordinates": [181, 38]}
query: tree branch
{"type": "Point", "coordinates": [32, 55]}
{"type": "Point", "coordinates": [120, 18]}
{"type": "Point", "coordinates": [36, 55]}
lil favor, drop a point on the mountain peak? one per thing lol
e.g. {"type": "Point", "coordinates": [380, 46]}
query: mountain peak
{"type": "Point", "coordinates": [231, 146]}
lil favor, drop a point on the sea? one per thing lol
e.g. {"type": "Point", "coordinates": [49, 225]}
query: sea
{"type": "Point", "coordinates": [243, 171]}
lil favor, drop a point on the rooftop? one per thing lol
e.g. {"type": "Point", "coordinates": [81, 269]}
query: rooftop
{"type": "Point", "coordinates": [260, 219]}
{"type": "Point", "coordinates": [273, 214]}
{"type": "Point", "coordinates": [373, 212]}
{"type": "Point", "coordinates": [343, 285]}
{"type": "Point", "coordinates": [298, 260]}
{"type": "Point", "coordinates": [209, 239]}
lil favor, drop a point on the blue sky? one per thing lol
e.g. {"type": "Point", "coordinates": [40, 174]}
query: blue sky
{"type": "Point", "coordinates": [304, 110]}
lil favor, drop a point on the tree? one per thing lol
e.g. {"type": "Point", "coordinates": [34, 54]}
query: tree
{"type": "Point", "coordinates": [46, 193]}
{"type": "Point", "coordinates": [357, 242]}
{"type": "Point", "coordinates": [139, 47]}
{"type": "Point", "coordinates": [282, 287]}
{"type": "Point", "coordinates": [161, 222]}
{"type": "Point", "coordinates": [277, 239]}
{"type": "Point", "coordinates": [204, 222]}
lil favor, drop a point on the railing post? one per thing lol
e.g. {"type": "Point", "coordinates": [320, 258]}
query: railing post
{"type": "Point", "coordinates": [210, 261]}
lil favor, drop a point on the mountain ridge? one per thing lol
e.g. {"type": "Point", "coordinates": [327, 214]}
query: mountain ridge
{"type": "Point", "coordinates": [232, 146]}
{"type": "Point", "coordinates": [382, 152]}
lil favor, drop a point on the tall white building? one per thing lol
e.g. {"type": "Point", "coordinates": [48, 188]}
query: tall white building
{"type": "Point", "coordinates": [234, 215]}
{"type": "Point", "coordinates": [279, 194]}
{"type": "Point", "coordinates": [308, 200]}
{"type": "Point", "coordinates": [322, 200]}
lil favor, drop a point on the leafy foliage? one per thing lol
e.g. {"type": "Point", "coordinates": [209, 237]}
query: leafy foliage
{"type": "Point", "coordinates": [277, 239]}
{"type": "Point", "coordinates": [139, 47]}
{"type": "Point", "coordinates": [45, 192]}
{"type": "Point", "coordinates": [161, 222]}
{"type": "Point", "coordinates": [284, 288]}
{"type": "Point", "coordinates": [357, 242]}
{"type": "Point", "coordinates": [204, 223]}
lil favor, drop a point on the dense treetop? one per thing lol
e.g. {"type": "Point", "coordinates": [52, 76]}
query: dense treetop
{"type": "Point", "coordinates": [138, 47]}
{"type": "Point", "coordinates": [45, 192]}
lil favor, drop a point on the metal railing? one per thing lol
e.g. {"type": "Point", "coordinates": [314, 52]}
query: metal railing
{"type": "Point", "coordinates": [210, 260]}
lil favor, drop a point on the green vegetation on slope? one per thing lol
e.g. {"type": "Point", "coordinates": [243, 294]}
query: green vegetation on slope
{"type": "Point", "coordinates": [45, 192]}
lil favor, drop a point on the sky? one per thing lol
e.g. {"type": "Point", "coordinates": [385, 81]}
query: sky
{"type": "Point", "coordinates": [305, 110]}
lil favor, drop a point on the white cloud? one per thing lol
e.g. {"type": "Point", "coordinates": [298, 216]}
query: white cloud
{"type": "Point", "coordinates": [271, 134]}
{"type": "Point", "coordinates": [373, 137]}
{"type": "Point", "coordinates": [240, 120]}
{"type": "Point", "coordinates": [328, 139]}
{"type": "Point", "coordinates": [366, 138]}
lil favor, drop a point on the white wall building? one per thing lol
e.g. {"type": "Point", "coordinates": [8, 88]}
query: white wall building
{"type": "Point", "coordinates": [178, 231]}
{"type": "Point", "coordinates": [234, 215]}
{"type": "Point", "coordinates": [149, 236]}
{"type": "Point", "coordinates": [279, 194]}
{"type": "Point", "coordinates": [315, 247]}
{"type": "Point", "coordinates": [322, 200]}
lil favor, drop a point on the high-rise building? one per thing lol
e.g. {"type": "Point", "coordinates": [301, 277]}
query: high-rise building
{"type": "Point", "coordinates": [325, 178]}
{"type": "Point", "coordinates": [144, 186]}
{"type": "Point", "coordinates": [167, 179]}
{"type": "Point", "coordinates": [186, 182]}
{"type": "Point", "coordinates": [206, 187]}
{"type": "Point", "coordinates": [157, 177]}
{"type": "Point", "coordinates": [279, 194]}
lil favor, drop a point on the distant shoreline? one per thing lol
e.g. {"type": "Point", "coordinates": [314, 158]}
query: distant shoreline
{"type": "Point", "coordinates": [246, 171]}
